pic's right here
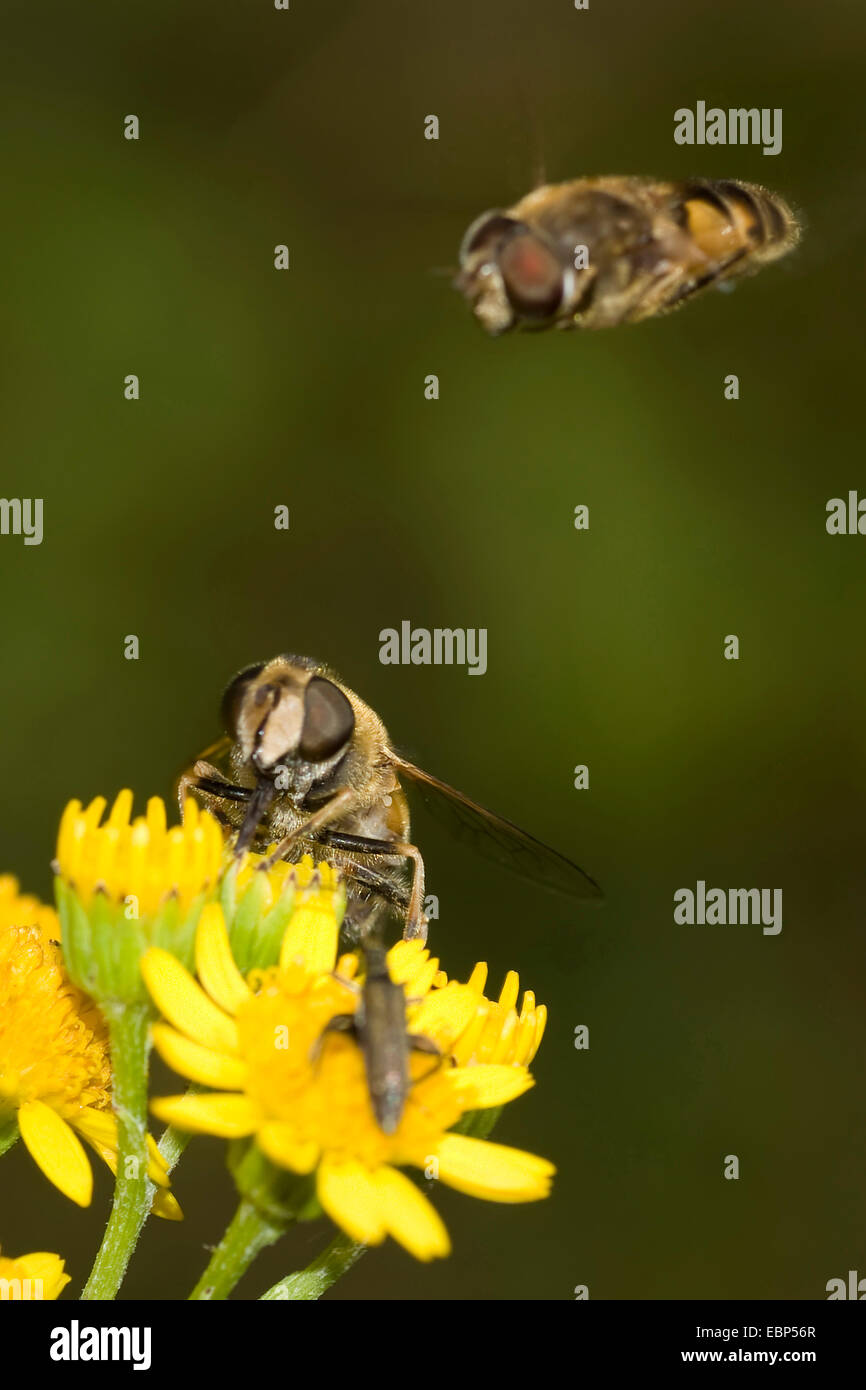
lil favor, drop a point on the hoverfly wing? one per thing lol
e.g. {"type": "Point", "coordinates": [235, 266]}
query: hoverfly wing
{"type": "Point", "coordinates": [498, 839]}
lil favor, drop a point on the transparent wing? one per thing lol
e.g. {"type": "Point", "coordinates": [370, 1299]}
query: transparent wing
{"type": "Point", "coordinates": [498, 839]}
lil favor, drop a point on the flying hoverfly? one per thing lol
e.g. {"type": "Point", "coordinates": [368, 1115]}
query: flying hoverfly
{"type": "Point", "coordinates": [598, 252]}
{"type": "Point", "coordinates": [307, 764]}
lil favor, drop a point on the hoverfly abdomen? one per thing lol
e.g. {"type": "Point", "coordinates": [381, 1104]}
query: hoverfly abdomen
{"type": "Point", "coordinates": [725, 217]}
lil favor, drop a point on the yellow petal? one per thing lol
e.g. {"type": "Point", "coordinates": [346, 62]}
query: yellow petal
{"type": "Point", "coordinates": [410, 965]}
{"type": "Point", "coordinates": [510, 990]}
{"type": "Point", "coordinates": [311, 936]}
{"type": "Point", "coordinates": [409, 1216]}
{"type": "Point", "coordinates": [227, 1116]}
{"type": "Point", "coordinates": [466, 1045]}
{"type": "Point", "coordinates": [198, 1063]}
{"type": "Point", "coordinates": [166, 1205]}
{"type": "Point", "coordinates": [504, 1046]}
{"type": "Point", "coordinates": [157, 1168]}
{"type": "Point", "coordinates": [215, 963]}
{"type": "Point", "coordinates": [93, 812]}
{"type": "Point", "coordinates": [483, 1086]}
{"type": "Point", "coordinates": [99, 1128]}
{"type": "Point", "coordinates": [492, 1171]}
{"type": "Point", "coordinates": [185, 1004]}
{"type": "Point", "coordinates": [155, 817]}
{"type": "Point", "coordinates": [280, 1143]}
{"type": "Point", "coordinates": [540, 1025]}
{"type": "Point", "coordinates": [118, 816]}
{"type": "Point", "coordinates": [347, 966]}
{"type": "Point", "coordinates": [59, 1152]}
{"type": "Point", "coordinates": [404, 958]}
{"type": "Point", "coordinates": [349, 1195]}
{"type": "Point", "coordinates": [478, 979]}
{"type": "Point", "coordinates": [445, 1013]}
{"type": "Point", "coordinates": [47, 1267]}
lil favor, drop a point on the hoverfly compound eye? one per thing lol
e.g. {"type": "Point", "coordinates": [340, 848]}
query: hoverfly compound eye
{"type": "Point", "coordinates": [234, 695]}
{"type": "Point", "coordinates": [532, 275]}
{"type": "Point", "coordinates": [487, 230]}
{"type": "Point", "coordinates": [329, 721]}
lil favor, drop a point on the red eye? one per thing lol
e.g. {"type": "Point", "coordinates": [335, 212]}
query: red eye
{"type": "Point", "coordinates": [532, 275]}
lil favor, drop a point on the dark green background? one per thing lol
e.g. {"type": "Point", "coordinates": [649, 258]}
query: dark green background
{"type": "Point", "coordinates": [306, 388]}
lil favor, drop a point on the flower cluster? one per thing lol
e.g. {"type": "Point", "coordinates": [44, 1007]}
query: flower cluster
{"type": "Point", "coordinates": [55, 1075]}
{"type": "Point", "coordinates": [234, 972]}
{"type": "Point", "coordinates": [302, 1092]}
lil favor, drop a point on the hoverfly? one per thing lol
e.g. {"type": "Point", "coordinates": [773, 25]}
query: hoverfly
{"type": "Point", "coordinates": [597, 252]}
{"type": "Point", "coordinates": [307, 764]}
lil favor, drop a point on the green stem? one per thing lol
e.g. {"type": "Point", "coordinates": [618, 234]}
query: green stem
{"type": "Point", "coordinates": [248, 1233]}
{"type": "Point", "coordinates": [174, 1141]}
{"type": "Point", "coordinates": [133, 1193]}
{"type": "Point", "coordinates": [310, 1283]}
{"type": "Point", "coordinates": [171, 1146]}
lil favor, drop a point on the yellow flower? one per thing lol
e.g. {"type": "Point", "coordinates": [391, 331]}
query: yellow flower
{"type": "Point", "coordinates": [140, 859]}
{"type": "Point", "coordinates": [55, 1077]}
{"type": "Point", "coordinates": [36, 1276]}
{"type": "Point", "coordinates": [22, 910]}
{"type": "Point", "coordinates": [498, 1033]}
{"type": "Point", "coordinates": [123, 885]}
{"type": "Point", "coordinates": [261, 1042]}
{"type": "Point", "coordinates": [319, 879]}
{"type": "Point", "coordinates": [258, 906]}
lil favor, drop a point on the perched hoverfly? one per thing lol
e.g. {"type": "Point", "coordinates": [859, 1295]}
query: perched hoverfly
{"type": "Point", "coordinates": [307, 764]}
{"type": "Point", "coordinates": [594, 253]}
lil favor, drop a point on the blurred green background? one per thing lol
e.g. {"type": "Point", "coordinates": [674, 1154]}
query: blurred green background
{"type": "Point", "coordinates": [605, 647]}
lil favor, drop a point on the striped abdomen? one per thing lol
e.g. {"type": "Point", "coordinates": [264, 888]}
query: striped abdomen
{"type": "Point", "coordinates": [731, 221]}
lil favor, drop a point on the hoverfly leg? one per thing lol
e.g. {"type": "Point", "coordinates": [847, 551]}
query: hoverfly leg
{"type": "Point", "coordinates": [415, 926]}
{"type": "Point", "coordinates": [347, 984]}
{"type": "Point", "coordinates": [340, 1023]}
{"type": "Point", "coordinates": [382, 887]}
{"type": "Point", "coordinates": [339, 805]}
{"type": "Point", "coordinates": [185, 780]}
{"type": "Point", "coordinates": [207, 779]}
{"type": "Point", "coordinates": [414, 922]}
{"type": "Point", "coordinates": [418, 1043]}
